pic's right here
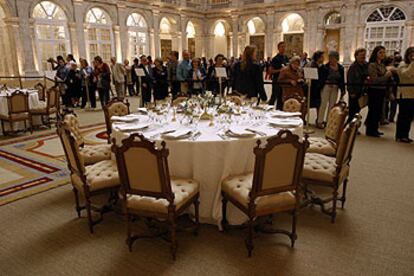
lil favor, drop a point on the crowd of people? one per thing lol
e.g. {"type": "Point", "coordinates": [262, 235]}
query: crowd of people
{"type": "Point", "coordinates": [379, 82]}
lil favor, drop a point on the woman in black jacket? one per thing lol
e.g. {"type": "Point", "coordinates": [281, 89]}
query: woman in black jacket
{"type": "Point", "coordinates": [161, 80]}
{"type": "Point", "coordinates": [212, 79]}
{"type": "Point", "coordinates": [248, 76]}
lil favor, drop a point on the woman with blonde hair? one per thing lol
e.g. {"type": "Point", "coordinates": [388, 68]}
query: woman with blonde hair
{"type": "Point", "coordinates": [248, 75]}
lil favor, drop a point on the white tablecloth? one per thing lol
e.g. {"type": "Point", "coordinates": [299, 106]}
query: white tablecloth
{"type": "Point", "coordinates": [210, 159]}
{"type": "Point", "coordinates": [33, 103]}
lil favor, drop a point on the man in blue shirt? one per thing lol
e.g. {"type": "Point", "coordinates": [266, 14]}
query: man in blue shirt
{"type": "Point", "coordinates": [183, 70]}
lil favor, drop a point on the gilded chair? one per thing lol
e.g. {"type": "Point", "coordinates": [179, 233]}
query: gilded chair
{"type": "Point", "coordinates": [273, 186]}
{"type": "Point", "coordinates": [48, 107]}
{"type": "Point", "coordinates": [90, 154]}
{"type": "Point", "coordinates": [100, 178]}
{"type": "Point", "coordinates": [331, 172]}
{"type": "Point", "coordinates": [115, 107]}
{"type": "Point", "coordinates": [18, 111]}
{"type": "Point", "coordinates": [149, 191]}
{"type": "Point", "coordinates": [328, 145]}
{"type": "Point", "coordinates": [295, 103]}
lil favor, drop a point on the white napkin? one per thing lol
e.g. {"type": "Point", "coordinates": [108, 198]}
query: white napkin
{"type": "Point", "coordinates": [283, 114]}
{"type": "Point", "coordinates": [142, 110]}
{"type": "Point", "coordinates": [127, 119]}
{"type": "Point", "coordinates": [178, 134]}
{"type": "Point", "coordinates": [237, 131]}
{"type": "Point", "coordinates": [285, 122]}
{"type": "Point", "coordinates": [131, 127]}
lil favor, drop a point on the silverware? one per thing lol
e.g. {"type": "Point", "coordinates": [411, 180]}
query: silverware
{"type": "Point", "coordinates": [195, 136]}
{"type": "Point", "coordinates": [256, 132]}
{"type": "Point", "coordinates": [222, 136]}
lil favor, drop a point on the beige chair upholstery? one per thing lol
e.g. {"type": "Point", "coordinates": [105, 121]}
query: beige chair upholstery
{"type": "Point", "coordinates": [118, 109]}
{"type": "Point", "coordinates": [240, 186]}
{"type": "Point", "coordinates": [323, 168]}
{"type": "Point", "coordinates": [322, 145]}
{"type": "Point", "coordinates": [18, 110]}
{"type": "Point", "coordinates": [115, 107]}
{"type": "Point", "coordinates": [235, 99]}
{"type": "Point", "coordinates": [183, 189]}
{"type": "Point", "coordinates": [272, 188]}
{"type": "Point", "coordinates": [71, 120]}
{"type": "Point", "coordinates": [292, 105]}
{"type": "Point", "coordinates": [99, 176]}
{"type": "Point", "coordinates": [50, 106]}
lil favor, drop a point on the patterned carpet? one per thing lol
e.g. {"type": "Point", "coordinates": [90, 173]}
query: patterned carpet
{"type": "Point", "coordinates": [36, 164]}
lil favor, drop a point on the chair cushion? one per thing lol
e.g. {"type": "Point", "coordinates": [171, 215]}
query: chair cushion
{"type": "Point", "coordinates": [99, 176]}
{"type": "Point", "coordinates": [183, 189]}
{"type": "Point", "coordinates": [239, 187]}
{"type": "Point", "coordinates": [319, 167]}
{"type": "Point", "coordinates": [95, 153]}
{"type": "Point", "coordinates": [321, 145]}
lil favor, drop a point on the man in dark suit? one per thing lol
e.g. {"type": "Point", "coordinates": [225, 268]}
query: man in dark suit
{"type": "Point", "coordinates": [147, 81]}
{"type": "Point", "coordinates": [276, 65]}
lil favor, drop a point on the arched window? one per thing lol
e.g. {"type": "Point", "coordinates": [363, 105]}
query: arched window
{"type": "Point", "coordinates": [138, 35]}
{"type": "Point", "coordinates": [293, 23]}
{"type": "Point", "coordinates": [190, 30]}
{"type": "Point", "coordinates": [386, 27]}
{"type": "Point", "coordinates": [99, 34]}
{"type": "Point", "coordinates": [333, 19]}
{"type": "Point", "coordinates": [51, 32]}
{"type": "Point", "coordinates": [219, 30]}
{"type": "Point", "coordinates": [292, 34]}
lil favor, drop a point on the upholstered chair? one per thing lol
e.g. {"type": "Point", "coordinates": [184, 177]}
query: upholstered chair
{"type": "Point", "coordinates": [331, 172]}
{"type": "Point", "coordinates": [48, 107]}
{"type": "Point", "coordinates": [89, 181]}
{"type": "Point", "coordinates": [295, 103]}
{"type": "Point", "coordinates": [273, 186]}
{"type": "Point", "coordinates": [328, 145]}
{"type": "Point", "coordinates": [115, 107]}
{"type": "Point", "coordinates": [18, 111]}
{"type": "Point", "coordinates": [40, 90]}
{"type": "Point", "coordinates": [90, 154]}
{"type": "Point", "coordinates": [148, 190]}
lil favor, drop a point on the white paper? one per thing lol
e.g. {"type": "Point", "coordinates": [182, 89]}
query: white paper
{"type": "Point", "coordinates": [140, 72]}
{"type": "Point", "coordinates": [311, 73]}
{"type": "Point", "coordinates": [221, 72]}
{"type": "Point", "coordinates": [50, 74]}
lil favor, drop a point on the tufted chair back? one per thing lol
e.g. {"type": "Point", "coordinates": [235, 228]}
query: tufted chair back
{"type": "Point", "coordinates": [292, 105]}
{"type": "Point", "coordinates": [72, 122]}
{"type": "Point", "coordinates": [71, 149]}
{"type": "Point", "coordinates": [336, 122]}
{"type": "Point", "coordinates": [279, 164]}
{"type": "Point", "coordinates": [115, 107]}
{"type": "Point", "coordinates": [143, 168]}
{"type": "Point", "coordinates": [347, 141]}
{"type": "Point", "coordinates": [18, 102]}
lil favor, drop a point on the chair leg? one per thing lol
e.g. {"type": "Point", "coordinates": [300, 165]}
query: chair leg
{"type": "Point", "coordinates": [173, 237]}
{"type": "Point", "coordinates": [224, 221]}
{"type": "Point", "coordinates": [343, 199]}
{"type": "Point", "coordinates": [2, 128]}
{"type": "Point", "coordinates": [89, 212]}
{"type": "Point", "coordinates": [293, 235]}
{"type": "Point", "coordinates": [197, 215]}
{"type": "Point", "coordinates": [129, 240]}
{"type": "Point", "coordinates": [249, 240]}
{"type": "Point", "coordinates": [334, 201]}
{"type": "Point", "coordinates": [78, 208]}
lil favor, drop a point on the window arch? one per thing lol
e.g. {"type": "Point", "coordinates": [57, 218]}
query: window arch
{"type": "Point", "coordinates": [99, 40]}
{"type": "Point", "coordinates": [138, 35]}
{"type": "Point", "coordinates": [51, 31]}
{"type": "Point", "coordinates": [219, 29]}
{"type": "Point", "coordinates": [385, 26]}
{"type": "Point", "coordinates": [333, 18]}
{"type": "Point", "coordinates": [293, 23]}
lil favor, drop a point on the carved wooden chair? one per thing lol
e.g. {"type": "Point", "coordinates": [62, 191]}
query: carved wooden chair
{"type": "Point", "coordinates": [148, 190]}
{"type": "Point", "coordinates": [328, 145]}
{"type": "Point", "coordinates": [48, 107]}
{"type": "Point", "coordinates": [295, 103]}
{"type": "Point", "coordinates": [41, 90]}
{"type": "Point", "coordinates": [90, 154]}
{"type": "Point", "coordinates": [272, 187]}
{"type": "Point", "coordinates": [88, 181]}
{"type": "Point", "coordinates": [18, 111]}
{"type": "Point", "coordinates": [330, 171]}
{"type": "Point", "coordinates": [115, 107]}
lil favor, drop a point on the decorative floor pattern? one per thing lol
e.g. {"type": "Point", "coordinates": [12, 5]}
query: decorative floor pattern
{"type": "Point", "coordinates": [32, 165]}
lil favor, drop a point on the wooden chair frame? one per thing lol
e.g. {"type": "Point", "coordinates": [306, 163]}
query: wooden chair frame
{"type": "Point", "coordinates": [63, 130]}
{"type": "Point", "coordinates": [139, 141]}
{"type": "Point", "coordinates": [49, 106]}
{"type": "Point", "coordinates": [300, 99]}
{"type": "Point", "coordinates": [9, 99]}
{"type": "Point", "coordinates": [283, 137]}
{"type": "Point", "coordinates": [312, 198]}
{"type": "Point", "coordinates": [108, 117]}
{"type": "Point", "coordinates": [345, 110]}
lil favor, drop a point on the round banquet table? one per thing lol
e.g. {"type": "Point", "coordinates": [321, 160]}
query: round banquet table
{"type": "Point", "coordinates": [210, 158]}
{"type": "Point", "coordinates": [33, 97]}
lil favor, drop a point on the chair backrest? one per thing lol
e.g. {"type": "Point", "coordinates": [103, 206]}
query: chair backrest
{"type": "Point", "coordinates": [71, 149]}
{"type": "Point", "coordinates": [52, 98]}
{"type": "Point", "coordinates": [18, 102]}
{"type": "Point", "coordinates": [279, 164]}
{"type": "Point", "coordinates": [115, 107]}
{"type": "Point", "coordinates": [143, 168]}
{"type": "Point", "coordinates": [72, 122]}
{"type": "Point", "coordinates": [235, 99]}
{"type": "Point", "coordinates": [346, 144]}
{"type": "Point", "coordinates": [179, 100]}
{"type": "Point", "coordinates": [40, 90]}
{"type": "Point", "coordinates": [336, 122]}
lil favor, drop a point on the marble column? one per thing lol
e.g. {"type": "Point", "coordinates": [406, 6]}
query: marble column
{"type": "Point", "coordinates": [73, 38]}
{"type": "Point", "coordinates": [15, 62]}
{"type": "Point", "coordinates": [235, 36]}
{"type": "Point", "coordinates": [28, 47]}
{"type": "Point", "coordinates": [156, 33]}
{"type": "Point", "coordinates": [270, 18]}
{"type": "Point", "coordinates": [184, 41]}
{"type": "Point", "coordinates": [117, 44]}
{"type": "Point", "coordinates": [78, 10]}
{"type": "Point", "coordinates": [123, 32]}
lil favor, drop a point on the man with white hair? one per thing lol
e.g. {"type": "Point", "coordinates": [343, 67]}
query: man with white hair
{"type": "Point", "coordinates": [118, 78]}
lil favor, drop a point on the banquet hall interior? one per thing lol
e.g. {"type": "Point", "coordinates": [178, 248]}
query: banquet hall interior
{"type": "Point", "coordinates": [206, 137]}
